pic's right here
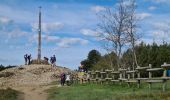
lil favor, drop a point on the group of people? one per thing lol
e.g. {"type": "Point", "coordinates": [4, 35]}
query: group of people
{"type": "Point", "coordinates": [65, 78]}
{"type": "Point", "coordinates": [83, 75]}
{"type": "Point", "coordinates": [53, 60]}
{"type": "Point", "coordinates": [27, 59]}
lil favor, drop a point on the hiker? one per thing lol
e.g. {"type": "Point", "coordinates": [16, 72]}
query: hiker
{"type": "Point", "coordinates": [68, 79]}
{"type": "Point", "coordinates": [54, 60]}
{"type": "Point", "coordinates": [46, 60]}
{"type": "Point", "coordinates": [25, 57]}
{"type": "Point", "coordinates": [62, 76]}
{"type": "Point", "coordinates": [29, 59]}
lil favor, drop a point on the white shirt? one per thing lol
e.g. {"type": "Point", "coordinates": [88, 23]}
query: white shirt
{"type": "Point", "coordinates": [67, 77]}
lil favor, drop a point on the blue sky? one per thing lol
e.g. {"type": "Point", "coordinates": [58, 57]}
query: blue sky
{"type": "Point", "coordinates": [68, 28]}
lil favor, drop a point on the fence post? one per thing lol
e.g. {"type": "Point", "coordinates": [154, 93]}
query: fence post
{"type": "Point", "coordinates": [138, 74]}
{"type": "Point", "coordinates": [150, 76]}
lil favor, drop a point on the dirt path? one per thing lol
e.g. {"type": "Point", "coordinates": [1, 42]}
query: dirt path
{"type": "Point", "coordinates": [34, 92]}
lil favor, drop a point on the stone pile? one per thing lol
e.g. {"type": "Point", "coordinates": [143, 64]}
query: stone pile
{"type": "Point", "coordinates": [31, 75]}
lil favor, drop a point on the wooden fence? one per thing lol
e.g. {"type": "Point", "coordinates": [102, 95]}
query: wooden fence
{"type": "Point", "coordinates": [131, 76]}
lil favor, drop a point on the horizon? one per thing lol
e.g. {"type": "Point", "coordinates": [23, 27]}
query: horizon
{"type": "Point", "coordinates": [69, 28]}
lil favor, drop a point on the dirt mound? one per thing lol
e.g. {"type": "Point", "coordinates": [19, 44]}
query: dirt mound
{"type": "Point", "coordinates": [29, 75]}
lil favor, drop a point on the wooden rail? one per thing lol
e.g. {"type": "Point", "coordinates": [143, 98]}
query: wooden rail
{"type": "Point", "coordinates": [128, 76]}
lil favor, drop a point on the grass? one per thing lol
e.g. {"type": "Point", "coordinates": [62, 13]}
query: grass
{"type": "Point", "coordinates": [9, 94]}
{"type": "Point", "coordinates": [108, 92]}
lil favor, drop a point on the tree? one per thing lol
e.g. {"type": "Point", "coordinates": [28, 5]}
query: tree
{"type": "Point", "coordinates": [93, 57]}
{"type": "Point", "coordinates": [2, 67]}
{"type": "Point", "coordinates": [131, 26]}
{"type": "Point", "coordinates": [113, 25]}
{"type": "Point", "coordinates": [106, 61]}
{"type": "Point", "coordinates": [86, 64]}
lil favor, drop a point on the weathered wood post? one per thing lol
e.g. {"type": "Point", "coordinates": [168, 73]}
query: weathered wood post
{"type": "Point", "coordinates": [150, 76]}
{"type": "Point", "coordinates": [90, 76]}
{"type": "Point", "coordinates": [113, 76]}
{"type": "Point", "coordinates": [93, 76]}
{"type": "Point", "coordinates": [102, 76]}
{"type": "Point", "coordinates": [128, 74]}
{"type": "Point", "coordinates": [97, 76]}
{"type": "Point", "coordinates": [108, 78]}
{"type": "Point", "coordinates": [138, 75]}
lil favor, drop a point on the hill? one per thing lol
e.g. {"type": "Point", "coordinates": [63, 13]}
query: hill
{"type": "Point", "coordinates": [30, 75]}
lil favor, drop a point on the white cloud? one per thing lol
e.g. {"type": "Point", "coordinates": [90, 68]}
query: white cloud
{"type": "Point", "coordinates": [162, 31]}
{"type": "Point", "coordinates": [5, 20]}
{"type": "Point", "coordinates": [52, 38]}
{"type": "Point", "coordinates": [66, 42]}
{"type": "Point", "coordinates": [143, 15]}
{"type": "Point", "coordinates": [97, 9]}
{"type": "Point", "coordinates": [152, 8]}
{"type": "Point", "coordinates": [48, 27]}
{"type": "Point", "coordinates": [17, 33]}
{"type": "Point", "coordinates": [159, 1]}
{"type": "Point", "coordinates": [88, 32]}
{"type": "Point", "coordinates": [163, 26]}
{"type": "Point", "coordinates": [60, 42]}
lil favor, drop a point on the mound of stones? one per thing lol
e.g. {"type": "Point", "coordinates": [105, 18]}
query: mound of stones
{"type": "Point", "coordinates": [30, 75]}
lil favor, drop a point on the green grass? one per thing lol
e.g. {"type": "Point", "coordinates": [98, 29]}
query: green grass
{"type": "Point", "coordinates": [9, 94]}
{"type": "Point", "coordinates": [108, 92]}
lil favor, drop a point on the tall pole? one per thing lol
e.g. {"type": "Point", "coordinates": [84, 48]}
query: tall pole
{"type": "Point", "coordinates": [39, 37]}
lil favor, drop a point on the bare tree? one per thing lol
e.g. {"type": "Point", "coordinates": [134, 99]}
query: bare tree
{"type": "Point", "coordinates": [113, 27]}
{"type": "Point", "coordinates": [131, 26]}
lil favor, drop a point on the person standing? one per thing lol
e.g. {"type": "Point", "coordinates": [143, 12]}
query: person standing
{"type": "Point", "coordinates": [54, 60]}
{"type": "Point", "coordinates": [63, 77]}
{"type": "Point", "coordinates": [68, 79]}
{"type": "Point", "coordinates": [25, 57]}
{"type": "Point", "coordinates": [29, 59]}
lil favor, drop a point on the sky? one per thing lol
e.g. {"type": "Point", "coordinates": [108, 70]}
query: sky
{"type": "Point", "coordinates": [69, 28]}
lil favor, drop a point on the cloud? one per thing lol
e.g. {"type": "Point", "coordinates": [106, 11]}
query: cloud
{"type": "Point", "coordinates": [48, 27]}
{"type": "Point", "coordinates": [163, 26]}
{"type": "Point", "coordinates": [5, 23]}
{"type": "Point", "coordinates": [17, 33]}
{"type": "Point", "coordinates": [88, 32]}
{"type": "Point", "coordinates": [10, 29]}
{"type": "Point", "coordinates": [143, 15]}
{"type": "Point", "coordinates": [161, 30]}
{"type": "Point", "coordinates": [152, 8]}
{"type": "Point", "coordinates": [52, 38]}
{"type": "Point", "coordinates": [65, 42]}
{"type": "Point", "coordinates": [159, 1]}
{"type": "Point", "coordinates": [5, 20]}
{"type": "Point", "coordinates": [98, 9]}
